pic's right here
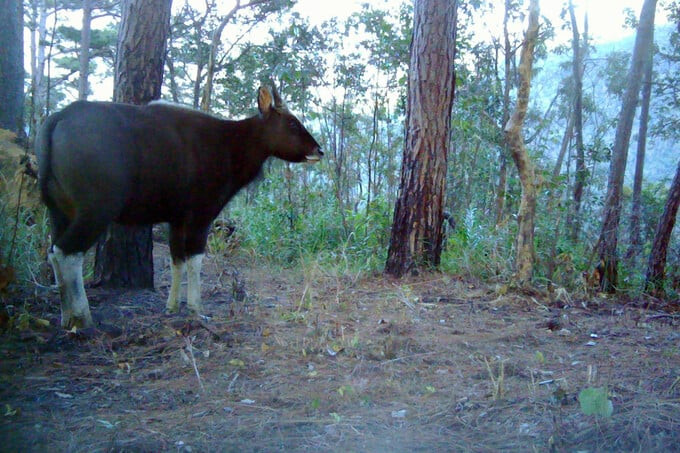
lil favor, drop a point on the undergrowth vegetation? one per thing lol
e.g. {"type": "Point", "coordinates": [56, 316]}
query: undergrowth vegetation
{"type": "Point", "coordinates": [23, 242]}
{"type": "Point", "coordinates": [289, 219]}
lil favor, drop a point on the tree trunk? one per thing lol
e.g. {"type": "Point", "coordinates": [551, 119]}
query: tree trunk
{"type": "Point", "coordinates": [577, 74]}
{"type": "Point", "coordinates": [416, 238]}
{"type": "Point", "coordinates": [172, 73]}
{"type": "Point", "coordinates": [85, 35]}
{"type": "Point", "coordinates": [566, 140]}
{"type": "Point", "coordinates": [635, 242]}
{"type": "Point", "coordinates": [654, 281]}
{"type": "Point", "coordinates": [124, 257]}
{"type": "Point", "coordinates": [513, 130]}
{"type": "Point", "coordinates": [612, 207]}
{"type": "Point", "coordinates": [12, 67]}
{"type": "Point", "coordinates": [371, 150]}
{"type": "Point", "coordinates": [214, 45]}
{"type": "Point", "coordinates": [503, 151]}
{"type": "Point", "coordinates": [38, 27]}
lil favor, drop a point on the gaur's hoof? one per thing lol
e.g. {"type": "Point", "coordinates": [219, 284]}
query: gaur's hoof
{"type": "Point", "coordinates": [79, 322]}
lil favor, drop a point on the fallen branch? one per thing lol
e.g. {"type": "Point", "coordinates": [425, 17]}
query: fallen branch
{"type": "Point", "coordinates": [190, 350]}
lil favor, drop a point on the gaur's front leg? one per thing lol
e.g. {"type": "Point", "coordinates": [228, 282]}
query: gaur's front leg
{"type": "Point", "coordinates": [172, 305]}
{"type": "Point", "coordinates": [194, 283]}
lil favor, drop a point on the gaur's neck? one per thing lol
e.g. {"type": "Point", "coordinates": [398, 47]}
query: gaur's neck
{"type": "Point", "coordinates": [248, 150]}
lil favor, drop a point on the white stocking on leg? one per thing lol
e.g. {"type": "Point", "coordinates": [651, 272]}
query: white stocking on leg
{"type": "Point", "coordinates": [172, 305]}
{"type": "Point", "coordinates": [68, 271]}
{"type": "Point", "coordinates": [194, 282]}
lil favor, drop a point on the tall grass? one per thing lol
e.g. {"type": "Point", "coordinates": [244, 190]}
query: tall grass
{"type": "Point", "coordinates": [476, 248]}
{"type": "Point", "coordinates": [23, 241]}
{"type": "Point", "coordinates": [285, 234]}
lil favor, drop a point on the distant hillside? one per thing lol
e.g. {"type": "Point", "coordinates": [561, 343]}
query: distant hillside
{"type": "Point", "coordinates": [662, 155]}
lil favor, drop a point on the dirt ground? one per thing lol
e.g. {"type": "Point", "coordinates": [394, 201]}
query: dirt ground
{"type": "Point", "coordinates": [304, 360]}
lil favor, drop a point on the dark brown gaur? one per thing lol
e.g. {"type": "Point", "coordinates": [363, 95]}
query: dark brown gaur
{"type": "Point", "coordinates": [104, 162]}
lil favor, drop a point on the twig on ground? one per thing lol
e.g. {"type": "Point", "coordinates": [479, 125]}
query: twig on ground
{"type": "Point", "coordinates": [233, 381]}
{"type": "Point", "coordinates": [190, 350]}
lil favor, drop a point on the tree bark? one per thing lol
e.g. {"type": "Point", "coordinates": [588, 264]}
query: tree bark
{"type": "Point", "coordinates": [654, 281]}
{"type": "Point", "coordinates": [525, 253]}
{"type": "Point", "coordinates": [416, 238]}
{"type": "Point", "coordinates": [84, 59]}
{"type": "Point", "coordinates": [124, 257]}
{"type": "Point", "coordinates": [12, 67]}
{"type": "Point", "coordinates": [635, 242]}
{"type": "Point", "coordinates": [612, 207]}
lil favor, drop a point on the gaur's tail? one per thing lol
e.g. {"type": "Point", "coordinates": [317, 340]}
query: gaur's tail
{"type": "Point", "coordinates": [43, 150]}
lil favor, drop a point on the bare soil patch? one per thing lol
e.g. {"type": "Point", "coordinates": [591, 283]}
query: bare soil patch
{"type": "Point", "coordinates": [300, 360]}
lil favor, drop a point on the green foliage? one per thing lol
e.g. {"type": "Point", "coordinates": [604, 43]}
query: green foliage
{"type": "Point", "coordinates": [476, 248]}
{"type": "Point", "coordinates": [283, 231]}
{"type": "Point", "coordinates": [346, 80]}
{"type": "Point", "coordinates": [595, 401]}
{"type": "Point", "coordinates": [29, 244]}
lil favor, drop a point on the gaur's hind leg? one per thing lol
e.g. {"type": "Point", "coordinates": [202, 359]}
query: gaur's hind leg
{"type": "Point", "coordinates": [67, 257]}
{"type": "Point", "coordinates": [75, 310]}
{"type": "Point", "coordinates": [59, 223]}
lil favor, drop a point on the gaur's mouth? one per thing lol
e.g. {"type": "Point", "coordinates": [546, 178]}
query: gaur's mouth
{"type": "Point", "coordinates": [315, 156]}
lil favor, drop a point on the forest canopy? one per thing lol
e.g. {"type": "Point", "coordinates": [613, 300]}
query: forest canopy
{"type": "Point", "coordinates": [346, 78]}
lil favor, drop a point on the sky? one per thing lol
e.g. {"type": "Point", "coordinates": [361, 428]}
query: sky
{"type": "Point", "coordinates": [606, 17]}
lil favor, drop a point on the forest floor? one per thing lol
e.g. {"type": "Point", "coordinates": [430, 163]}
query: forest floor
{"type": "Point", "coordinates": [302, 360]}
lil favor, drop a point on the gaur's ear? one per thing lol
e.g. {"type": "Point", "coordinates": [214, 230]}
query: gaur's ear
{"type": "Point", "coordinates": [264, 100]}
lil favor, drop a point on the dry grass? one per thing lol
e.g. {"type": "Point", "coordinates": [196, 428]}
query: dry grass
{"type": "Point", "coordinates": [316, 360]}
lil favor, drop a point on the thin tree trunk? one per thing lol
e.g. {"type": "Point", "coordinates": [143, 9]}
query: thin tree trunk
{"type": "Point", "coordinates": [635, 242]}
{"type": "Point", "coordinates": [85, 35]}
{"type": "Point", "coordinates": [172, 73]}
{"type": "Point", "coordinates": [527, 210]}
{"type": "Point", "coordinates": [38, 80]}
{"type": "Point", "coordinates": [416, 238]}
{"type": "Point", "coordinates": [580, 174]}
{"type": "Point", "coordinates": [556, 192]}
{"type": "Point", "coordinates": [609, 235]}
{"type": "Point", "coordinates": [654, 281]}
{"type": "Point", "coordinates": [124, 257]}
{"type": "Point", "coordinates": [566, 140]}
{"type": "Point", "coordinates": [371, 150]}
{"type": "Point", "coordinates": [214, 45]}
{"type": "Point", "coordinates": [503, 151]}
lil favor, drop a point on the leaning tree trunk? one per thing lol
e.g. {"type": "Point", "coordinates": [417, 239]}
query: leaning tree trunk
{"type": "Point", "coordinates": [513, 130]}
{"type": "Point", "coordinates": [124, 257]}
{"type": "Point", "coordinates": [654, 282]}
{"type": "Point", "coordinates": [416, 238]}
{"type": "Point", "coordinates": [635, 242]}
{"type": "Point", "coordinates": [612, 207]}
{"type": "Point", "coordinates": [12, 66]}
